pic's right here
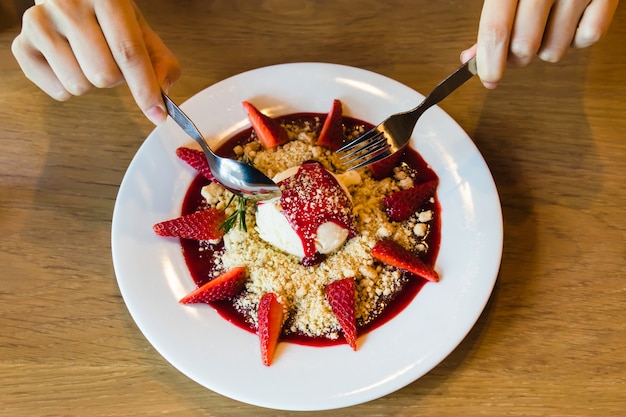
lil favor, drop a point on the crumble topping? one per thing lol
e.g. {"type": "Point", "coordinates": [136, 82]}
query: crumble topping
{"type": "Point", "coordinates": [301, 288]}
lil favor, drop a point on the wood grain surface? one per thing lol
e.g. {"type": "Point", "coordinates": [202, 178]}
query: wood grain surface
{"type": "Point", "coordinates": [552, 339]}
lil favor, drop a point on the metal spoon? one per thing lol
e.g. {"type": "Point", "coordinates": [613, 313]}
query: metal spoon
{"type": "Point", "coordinates": [237, 177]}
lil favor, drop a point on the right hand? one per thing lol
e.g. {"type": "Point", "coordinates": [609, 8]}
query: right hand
{"type": "Point", "coordinates": [68, 47]}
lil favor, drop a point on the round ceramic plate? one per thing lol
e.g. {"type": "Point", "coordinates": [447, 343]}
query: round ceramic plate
{"type": "Point", "coordinates": [152, 274]}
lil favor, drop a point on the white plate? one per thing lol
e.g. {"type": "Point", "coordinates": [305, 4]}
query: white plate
{"type": "Point", "coordinates": [152, 274]}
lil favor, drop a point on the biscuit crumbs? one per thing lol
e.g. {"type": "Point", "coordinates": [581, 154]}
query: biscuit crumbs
{"type": "Point", "coordinates": [301, 288]}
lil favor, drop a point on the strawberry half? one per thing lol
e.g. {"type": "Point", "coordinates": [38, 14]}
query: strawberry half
{"type": "Point", "coordinates": [270, 323]}
{"type": "Point", "coordinates": [384, 168]}
{"type": "Point", "coordinates": [268, 130]}
{"type": "Point", "coordinates": [195, 159]}
{"type": "Point", "coordinates": [201, 225]}
{"type": "Point", "coordinates": [331, 136]}
{"type": "Point", "coordinates": [340, 295]}
{"type": "Point", "coordinates": [403, 204]}
{"type": "Point", "coordinates": [394, 254]}
{"type": "Point", "coordinates": [223, 287]}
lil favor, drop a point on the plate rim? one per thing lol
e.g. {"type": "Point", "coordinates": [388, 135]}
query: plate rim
{"type": "Point", "coordinates": [344, 399]}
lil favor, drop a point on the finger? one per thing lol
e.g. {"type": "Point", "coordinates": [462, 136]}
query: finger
{"type": "Point", "coordinates": [595, 23]}
{"type": "Point", "coordinates": [560, 29]}
{"type": "Point", "coordinates": [90, 49]}
{"type": "Point", "coordinates": [120, 26]}
{"type": "Point", "coordinates": [39, 43]}
{"type": "Point", "coordinates": [166, 65]}
{"type": "Point", "coordinates": [468, 53]}
{"type": "Point", "coordinates": [37, 69]}
{"type": "Point", "coordinates": [528, 30]}
{"type": "Point", "coordinates": [496, 22]}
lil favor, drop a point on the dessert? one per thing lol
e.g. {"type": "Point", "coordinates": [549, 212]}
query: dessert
{"type": "Point", "coordinates": [340, 253]}
{"type": "Point", "coordinates": [313, 216]}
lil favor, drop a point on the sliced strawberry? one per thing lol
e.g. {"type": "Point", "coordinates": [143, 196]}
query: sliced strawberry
{"type": "Point", "coordinates": [341, 297]}
{"type": "Point", "coordinates": [270, 323]}
{"type": "Point", "coordinates": [394, 254]}
{"type": "Point", "coordinates": [384, 168]}
{"type": "Point", "coordinates": [331, 136]}
{"type": "Point", "coordinates": [201, 225]}
{"type": "Point", "coordinates": [195, 159]}
{"type": "Point", "coordinates": [223, 287]}
{"type": "Point", "coordinates": [268, 130]}
{"type": "Point", "coordinates": [403, 204]}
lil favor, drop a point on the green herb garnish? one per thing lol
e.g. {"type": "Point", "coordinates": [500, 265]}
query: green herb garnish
{"type": "Point", "coordinates": [238, 217]}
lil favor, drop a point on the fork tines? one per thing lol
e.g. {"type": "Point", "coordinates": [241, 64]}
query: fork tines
{"type": "Point", "coordinates": [364, 150]}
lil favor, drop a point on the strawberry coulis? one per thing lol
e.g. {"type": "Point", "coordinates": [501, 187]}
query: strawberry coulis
{"type": "Point", "coordinates": [311, 198]}
{"type": "Point", "coordinates": [198, 257]}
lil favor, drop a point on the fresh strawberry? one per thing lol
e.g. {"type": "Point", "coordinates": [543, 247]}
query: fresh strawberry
{"type": "Point", "coordinates": [394, 254]}
{"type": "Point", "coordinates": [403, 204]}
{"type": "Point", "coordinates": [223, 287]}
{"type": "Point", "coordinates": [341, 297]}
{"type": "Point", "coordinates": [195, 159]}
{"type": "Point", "coordinates": [201, 225]}
{"type": "Point", "coordinates": [270, 323]}
{"type": "Point", "coordinates": [268, 130]}
{"type": "Point", "coordinates": [384, 168]}
{"type": "Point", "coordinates": [331, 136]}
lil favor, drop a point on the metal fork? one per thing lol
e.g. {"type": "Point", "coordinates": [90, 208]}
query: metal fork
{"type": "Point", "coordinates": [393, 133]}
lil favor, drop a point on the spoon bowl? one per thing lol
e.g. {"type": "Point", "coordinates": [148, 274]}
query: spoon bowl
{"type": "Point", "coordinates": [237, 177]}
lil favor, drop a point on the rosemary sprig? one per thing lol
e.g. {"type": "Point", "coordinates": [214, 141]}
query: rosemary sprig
{"type": "Point", "coordinates": [238, 217]}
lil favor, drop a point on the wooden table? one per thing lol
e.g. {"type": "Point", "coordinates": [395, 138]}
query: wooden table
{"type": "Point", "coordinates": [552, 339]}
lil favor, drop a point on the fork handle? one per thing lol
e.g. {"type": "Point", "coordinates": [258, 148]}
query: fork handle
{"type": "Point", "coordinates": [447, 86]}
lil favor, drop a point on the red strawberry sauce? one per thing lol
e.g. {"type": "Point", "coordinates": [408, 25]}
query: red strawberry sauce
{"type": "Point", "coordinates": [198, 257]}
{"type": "Point", "coordinates": [312, 197]}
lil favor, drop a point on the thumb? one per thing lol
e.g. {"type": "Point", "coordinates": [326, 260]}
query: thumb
{"type": "Point", "coordinates": [166, 65]}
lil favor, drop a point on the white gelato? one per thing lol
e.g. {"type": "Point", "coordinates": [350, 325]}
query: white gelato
{"type": "Point", "coordinates": [274, 228]}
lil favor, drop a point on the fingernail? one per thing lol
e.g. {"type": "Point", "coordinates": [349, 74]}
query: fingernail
{"type": "Point", "coordinates": [165, 85]}
{"type": "Point", "coordinates": [156, 115]}
{"type": "Point", "coordinates": [547, 55]}
{"type": "Point", "coordinates": [490, 85]}
{"type": "Point", "coordinates": [465, 56]}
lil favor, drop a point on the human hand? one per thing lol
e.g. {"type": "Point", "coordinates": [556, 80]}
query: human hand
{"type": "Point", "coordinates": [517, 31]}
{"type": "Point", "coordinates": [69, 47]}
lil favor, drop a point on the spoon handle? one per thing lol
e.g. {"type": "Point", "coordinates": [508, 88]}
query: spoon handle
{"type": "Point", "coordinates": [185, 123]}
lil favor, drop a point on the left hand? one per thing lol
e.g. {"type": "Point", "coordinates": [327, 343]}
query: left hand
{"type": "Point", "coordinates": [514, 32]}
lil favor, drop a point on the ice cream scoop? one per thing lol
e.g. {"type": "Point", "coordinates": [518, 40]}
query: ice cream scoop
{"type": "Point", "coordinates": [313, 215]}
